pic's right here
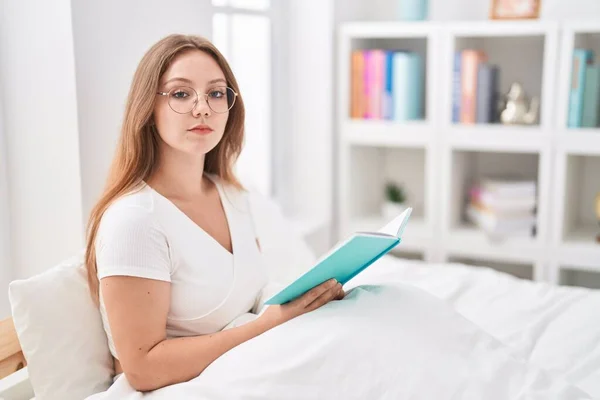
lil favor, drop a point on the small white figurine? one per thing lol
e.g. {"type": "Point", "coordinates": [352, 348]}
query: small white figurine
{"type": "Point", "coordinates": [517, 110]}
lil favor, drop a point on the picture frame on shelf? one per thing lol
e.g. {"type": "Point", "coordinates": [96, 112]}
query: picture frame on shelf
{"type": "Point", "coordinates": [515, 9]}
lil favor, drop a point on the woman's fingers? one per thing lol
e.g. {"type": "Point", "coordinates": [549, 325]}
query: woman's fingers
{"type": "Point", "coordinates": [325, 297]}
{"type": "Point", "coordinates": [309, 297]}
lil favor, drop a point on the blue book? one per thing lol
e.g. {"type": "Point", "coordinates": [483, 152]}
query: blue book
{"type": "Point", "coordinates": [388, 106]}
{"type": "Point", "coordinates": [347, 259]}
{"type": "Point", "coordinates": [581, 58]}
{"type": "Point", "coordinates": [456, 87]}
{"type": "Point", "coordinates": [407, 86]}
{"type": "Point", "coordinates": [591, 97]}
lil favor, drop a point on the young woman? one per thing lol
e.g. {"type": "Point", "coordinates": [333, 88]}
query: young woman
{"type": "Point", "coordinates": [172, 256]}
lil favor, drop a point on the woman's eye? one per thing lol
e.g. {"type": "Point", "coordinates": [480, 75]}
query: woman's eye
{"type": "Point", "coordinates": [216, 94]}
{"type": "Point", "coordinates": [180, 94]}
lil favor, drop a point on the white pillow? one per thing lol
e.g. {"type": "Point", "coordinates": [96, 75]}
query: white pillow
{"type": "Point", "coordinates": [61, 334]}
{"type": "Point", "coordinates": [285, 252]}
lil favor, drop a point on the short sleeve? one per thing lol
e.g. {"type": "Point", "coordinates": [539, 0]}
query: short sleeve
{"type": "Point", "coordinates": [130, 243]}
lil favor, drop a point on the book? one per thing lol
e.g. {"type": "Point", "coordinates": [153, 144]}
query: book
{"type": "Point", "coordinates": [456, 87]}
{"type": "Point", "coordinates": [358, 101]}
{"type": "Point", "coordinates": [376, 83]}
{"type": "Point", "coordinates": [347, 259]}
{"type": "Point", "coordinates": [469, 67]}
{"type": "Point", "coordinates": [407, 86]}
{"type": "Point", "coordinates": [487, 87]}
{"type": "Point", "coordinates": [367, 83]}
{"type": "Point", "coordinates": [388, 105]}
{"type": "Point", "coordinates": [591, 97]}
{"type": "Point", "coordinates": [581, 59]}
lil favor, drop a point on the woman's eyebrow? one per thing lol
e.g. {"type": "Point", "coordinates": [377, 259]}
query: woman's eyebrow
{"type": "Point", "coordinates": [217, 81]}
{"type": "Point", "coordinates": [179, 79]}
{"type": "Point", "coordinates": [190, 82]}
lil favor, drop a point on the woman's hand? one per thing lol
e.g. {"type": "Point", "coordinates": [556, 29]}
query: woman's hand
{"type": "Point", "coordinates": [316, 297]}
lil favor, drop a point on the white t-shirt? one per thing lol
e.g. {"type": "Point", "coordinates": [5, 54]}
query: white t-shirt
{"type": "Point", "coordinates": [144, 234]}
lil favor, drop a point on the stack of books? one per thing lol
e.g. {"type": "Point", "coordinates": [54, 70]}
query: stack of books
{"type": "Point", "coordinates": [503, 207]}
{"type": "Point", "coordinates": [584, 93]}
{"type": "Point", "coordinates": [387, 85]}
{"type": "Point", "coordinates": [475, 95]}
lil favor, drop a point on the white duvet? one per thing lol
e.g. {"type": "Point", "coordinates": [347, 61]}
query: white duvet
{"type": "Point", "coordinates": [390, 339]}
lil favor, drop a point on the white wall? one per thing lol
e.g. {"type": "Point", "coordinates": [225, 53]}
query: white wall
{"type": "Point", "coordinates": [311, 47]}
{"type": "Point", "coordinates": [59, 59]}
{"type": "Point", "coordinates": [111, 36]}
{"type": "Point", "coordinates": [40, 121]}
{"type": "Point", "coordinates": [5, 258]}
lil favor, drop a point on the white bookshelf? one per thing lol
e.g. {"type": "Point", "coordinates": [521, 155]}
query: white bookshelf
{"type": "Point", "coordinates": [440, 158]}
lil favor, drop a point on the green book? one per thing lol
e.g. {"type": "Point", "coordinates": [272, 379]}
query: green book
{"type": "Point", "coordinates": [591, 97]}
{"type": "Point", "coordinates": [347, 259]}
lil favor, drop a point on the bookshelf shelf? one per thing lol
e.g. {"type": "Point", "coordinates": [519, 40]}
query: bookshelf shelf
{"type": "Point", "coordinates": [448, 157]}
{"type": "Point", "coordinates": [469, 241]}
{"type": "Point", "coordinates": [388, 133]}
{"type": "Point", "coordinates": [501, 138]}
{"type": "Point", "coordinates": [580, 141]}
{"type": "Point", "coordinates": [580, 249]}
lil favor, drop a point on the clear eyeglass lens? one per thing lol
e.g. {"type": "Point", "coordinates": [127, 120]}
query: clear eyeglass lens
{"type": "Point", "coordinates": [183, 99]}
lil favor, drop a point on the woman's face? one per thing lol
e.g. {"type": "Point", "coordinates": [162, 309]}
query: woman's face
{"type": "Point", "coordinates": [193, 128]}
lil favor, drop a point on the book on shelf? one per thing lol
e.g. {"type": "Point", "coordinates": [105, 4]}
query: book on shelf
{"type": "Point", "coordinates": [386, 85]}
{"type": "Point", "coordinates": [487, 93]}
{"type": "Point", "coordinates": [582, 60]}
{"type": "Point", "coordinates": [591, 97]}
{"type": "Point", "coordinates": [358, 103]}
{"type": "Point", "coordinates": [469, 67]}
{"type": "Point", "coordinates": [502, 207]}
{"type": "Point", "coordinates": [475, 90]}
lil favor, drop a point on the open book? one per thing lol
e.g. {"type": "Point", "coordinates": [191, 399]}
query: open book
{"type": "Point", "coordinates": [347, 259]}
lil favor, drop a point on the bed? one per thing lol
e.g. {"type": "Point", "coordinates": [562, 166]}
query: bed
{"type": "Point", "coordinates": [546, 335]}
{"type": "Point", "coordinates": [556, 328]}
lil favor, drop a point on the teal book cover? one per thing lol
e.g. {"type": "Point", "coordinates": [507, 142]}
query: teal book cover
{"type": "Point", "coordinates": [407, 86]}
{"type": "Point", "coordinates": [347, 259]}
{"type": "Point", "coordinates": [581, 58]}
{"type": "Point", "coordinates": [591, 97]}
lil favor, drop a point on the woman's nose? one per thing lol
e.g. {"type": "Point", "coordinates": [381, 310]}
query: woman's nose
{"type": "Point", "coordinates": [201, 108]}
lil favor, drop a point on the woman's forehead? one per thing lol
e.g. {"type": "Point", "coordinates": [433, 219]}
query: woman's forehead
{"type": "Point", "coordinates": [195, 66]}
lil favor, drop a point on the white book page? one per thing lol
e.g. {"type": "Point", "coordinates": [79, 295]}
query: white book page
{"type": "Point", "coordinates": [397, 225]}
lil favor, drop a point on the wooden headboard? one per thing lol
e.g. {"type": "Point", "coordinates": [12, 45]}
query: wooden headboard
{"type": "Point", "coordinates": [11, 356]}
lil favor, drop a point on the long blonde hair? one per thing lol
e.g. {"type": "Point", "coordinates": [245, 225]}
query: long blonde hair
{"type": "Point", "coordinates": [137, 151]}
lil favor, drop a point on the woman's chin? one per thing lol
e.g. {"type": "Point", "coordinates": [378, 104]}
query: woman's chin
{"type": "Point", "coordinates": [200, 147]}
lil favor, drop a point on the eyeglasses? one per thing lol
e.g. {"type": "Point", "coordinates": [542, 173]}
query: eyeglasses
{"type": "Point", "coordinates": [183, 99]}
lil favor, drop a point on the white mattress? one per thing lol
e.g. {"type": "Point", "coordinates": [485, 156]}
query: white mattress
{"type": "Point", "coordinates": [554, 327]}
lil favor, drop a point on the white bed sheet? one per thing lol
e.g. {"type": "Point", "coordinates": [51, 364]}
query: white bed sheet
{"type": "Point", "coordinates": [554, 327]}
{"type": "Point", "coordinates": [509, 339]}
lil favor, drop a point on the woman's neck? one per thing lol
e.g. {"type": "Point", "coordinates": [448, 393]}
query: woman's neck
{"type": "Point", "coordinates": [179, 175]}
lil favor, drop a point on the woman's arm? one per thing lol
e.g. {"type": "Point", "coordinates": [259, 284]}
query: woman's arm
{"type": "Point", "coordinates": [137, 313]}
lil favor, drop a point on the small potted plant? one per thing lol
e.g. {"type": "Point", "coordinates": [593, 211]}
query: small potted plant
{"type": "Point", "coordinates": [395, 200]}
